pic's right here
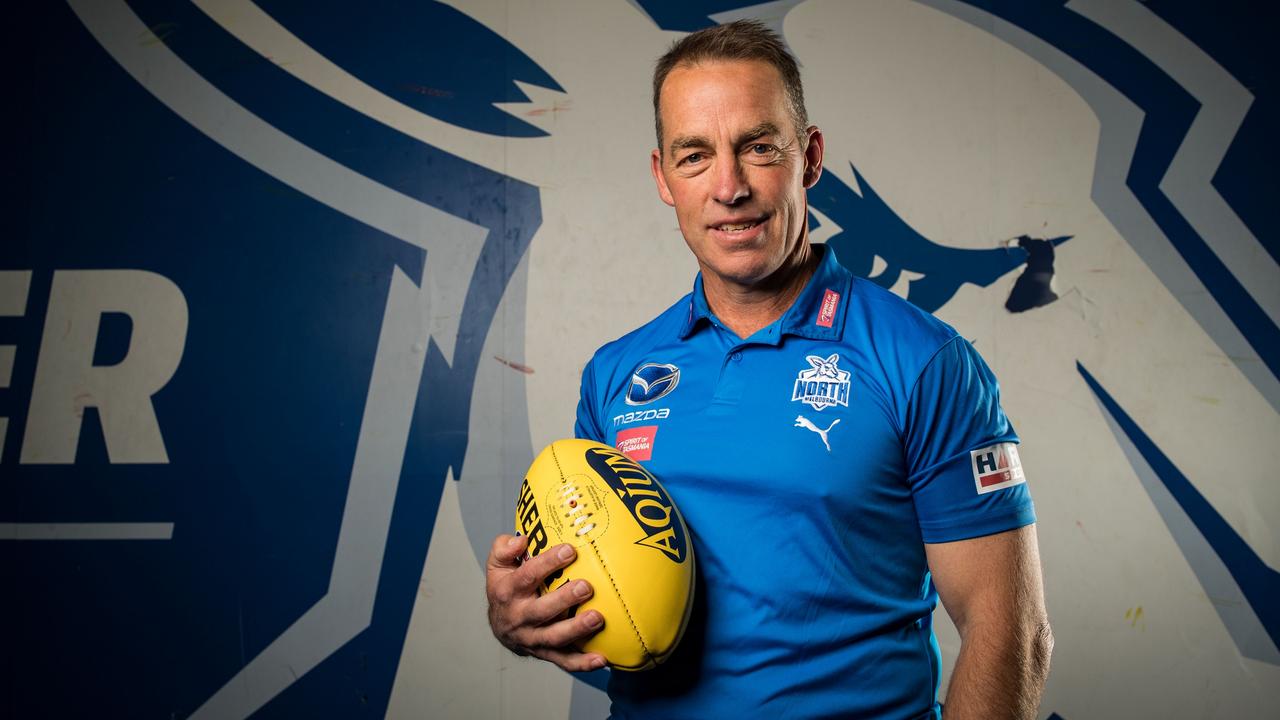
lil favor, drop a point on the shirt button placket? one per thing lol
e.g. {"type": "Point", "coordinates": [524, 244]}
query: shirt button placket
{"type": "Point", "coordinates": [729, 390]}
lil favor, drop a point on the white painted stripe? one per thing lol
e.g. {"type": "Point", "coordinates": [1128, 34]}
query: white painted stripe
{"type": "Point", "coordinates": [347, 608]}
{"type": "Point", "coordinates": [248, 136]}
{"type": "Point", "coordinates": [1228, 600]}
{"type": "Point", "coordinates": [86, 531]}
{"type": "Point", "coordinates": [453, 243]}
{"type": "Point", "coordinates": [255, 28]}
{"type": "Point", "coordinates": [1188, 182]}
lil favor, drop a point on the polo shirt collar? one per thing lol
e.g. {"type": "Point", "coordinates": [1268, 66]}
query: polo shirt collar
{"type": "Point", "coordinates": [818, 312]}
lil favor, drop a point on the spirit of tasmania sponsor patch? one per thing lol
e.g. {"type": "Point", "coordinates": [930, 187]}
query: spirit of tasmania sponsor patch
{"type": "Point", "coordinates": [996, 467]}
{"type": "Point", "coordinates": [637, 443]}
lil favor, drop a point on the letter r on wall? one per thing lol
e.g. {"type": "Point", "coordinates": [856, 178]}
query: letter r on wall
{"type": "Point", "coordinates": [67, 381]}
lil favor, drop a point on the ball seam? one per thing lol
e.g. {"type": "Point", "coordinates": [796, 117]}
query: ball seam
{"type": "Point", "coordinates": [556, 459]}
{"type": "Point", "coordinates": [621, 601]}
{"type": "Point", "coordinates": [608, 573]}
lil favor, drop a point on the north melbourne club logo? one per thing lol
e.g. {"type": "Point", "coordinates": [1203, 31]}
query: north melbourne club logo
{"type": "Point", "coordinates": [824, 384]}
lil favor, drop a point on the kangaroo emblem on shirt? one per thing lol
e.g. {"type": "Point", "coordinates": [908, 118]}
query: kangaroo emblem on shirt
{"type": "Point", "coordinates": [804, 422]}
{"type": "Point", "coordinates": [823, 384]}
{"type": "Point", "coordinates": [826, 367]}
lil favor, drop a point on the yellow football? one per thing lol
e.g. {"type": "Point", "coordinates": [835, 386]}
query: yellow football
{"type": "Point", "coordinates": [633, 546]}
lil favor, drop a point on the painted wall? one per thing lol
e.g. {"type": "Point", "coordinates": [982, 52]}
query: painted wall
{"type": "Point", "coordinates": [291, 292]}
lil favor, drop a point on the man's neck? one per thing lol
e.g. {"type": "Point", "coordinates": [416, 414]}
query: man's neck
{"type": "Point", "coordinates": [745, 309]}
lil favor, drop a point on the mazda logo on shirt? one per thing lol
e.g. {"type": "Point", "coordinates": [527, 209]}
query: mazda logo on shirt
{"type": "Point", "coordinates": [652, 381]}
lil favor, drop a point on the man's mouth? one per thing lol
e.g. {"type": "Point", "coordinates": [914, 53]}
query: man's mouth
{"type": "Point", "coordinates": [738, 226]}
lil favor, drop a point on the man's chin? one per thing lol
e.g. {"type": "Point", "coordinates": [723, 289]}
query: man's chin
{"type": "Point", "coordinates": [759, 269]}
{"type": "Point", "coordinates": [742, 272]}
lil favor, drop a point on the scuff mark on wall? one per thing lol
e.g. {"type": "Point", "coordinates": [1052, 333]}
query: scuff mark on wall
{"type": "Point", "coordinates": [157, 33]}
{"type": "Point", "coordinates": [556, 108]}
{"type": "Point", "coordinates": [428, 91]}
{"type": "Point", "coordinates": [514, 365]}
{"type": "Point", "coordinates": [1134, 616]}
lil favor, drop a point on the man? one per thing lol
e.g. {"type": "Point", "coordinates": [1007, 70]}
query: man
{"type": "Point", "coordinates": [840, 457]}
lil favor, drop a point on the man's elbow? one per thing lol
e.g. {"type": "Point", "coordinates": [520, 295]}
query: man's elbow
{"type": "Point", "coordinates": [1041, 650]}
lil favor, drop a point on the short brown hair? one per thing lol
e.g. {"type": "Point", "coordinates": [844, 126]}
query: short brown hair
{"type": "Point", "coordinates": [738, 40]}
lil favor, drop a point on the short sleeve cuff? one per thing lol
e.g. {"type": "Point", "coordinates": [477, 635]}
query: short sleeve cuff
{"type": "Point", "coordinates": [968, 528]}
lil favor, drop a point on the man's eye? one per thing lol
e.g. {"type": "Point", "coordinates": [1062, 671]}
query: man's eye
{"type": "Point", "coordinates": [691, 158]}
{"type": "Point", "coordinates": [761, 148]}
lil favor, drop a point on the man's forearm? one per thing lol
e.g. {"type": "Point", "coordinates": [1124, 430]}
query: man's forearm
{"type": "Point", "coordinates": [999, 674]}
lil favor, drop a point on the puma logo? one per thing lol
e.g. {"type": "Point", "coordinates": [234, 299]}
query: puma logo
{"type": "Point", "coordinates": [804, 422]}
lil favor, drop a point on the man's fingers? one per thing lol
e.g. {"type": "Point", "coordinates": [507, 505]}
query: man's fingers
{"type": "Point", "coordinates": [573, 661]}
{"type": "Point", "coordinates": [536, 569]}
{"type": "Point", "coordinates": [553, 605]}
{"type": "Point", "coordinates": [527, 623]}
{"type": "Point", "coordinates": [507, 583]}
{"type": "Point", "coordinates": [507, 551]}
{"type": "Point", "coordinates": [569, 631]}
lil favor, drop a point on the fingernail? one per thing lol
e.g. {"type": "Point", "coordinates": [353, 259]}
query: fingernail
{"type": "Point", "coordinates": [565, 552]}
{"type": "Point", "coordinates": [580, 589]}
{"type": "Point", "coordinates": [594, 620]}
{"type": "Point", "coordinates": [513, 541]}
{"type": "Point", "coordinates": [597, 663]}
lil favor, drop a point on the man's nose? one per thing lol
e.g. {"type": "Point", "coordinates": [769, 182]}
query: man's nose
{"type": "Point", "coordinates": [730, 182]}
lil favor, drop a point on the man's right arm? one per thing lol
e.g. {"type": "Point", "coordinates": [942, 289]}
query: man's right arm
{"type": "Point", "coordinates": [528, 623]}
{"type": "Point", "coordinates": [524, 621]}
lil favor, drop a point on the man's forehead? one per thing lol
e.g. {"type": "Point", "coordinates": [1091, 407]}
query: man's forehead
{"type": "Point", "coordinates": [697, 97]}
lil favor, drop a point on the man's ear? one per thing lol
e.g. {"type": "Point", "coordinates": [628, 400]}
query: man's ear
{"type": "Point", "coordinates": [655, 166]}
{"type": "Point", "coordinates": [812, 156]}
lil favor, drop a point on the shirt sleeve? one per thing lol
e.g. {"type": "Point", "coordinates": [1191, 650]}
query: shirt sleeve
{"type": "Point", "coordinates": [587, 426]}
{"type": "Point", "coordinates": [961, 452]}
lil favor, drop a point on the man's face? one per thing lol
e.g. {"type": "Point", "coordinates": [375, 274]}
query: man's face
{"type": "Point", "coordinates": [735, 169]}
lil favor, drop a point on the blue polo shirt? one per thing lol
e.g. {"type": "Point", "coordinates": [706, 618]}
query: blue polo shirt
{"type": "Point", "coordinates": [812, 462]}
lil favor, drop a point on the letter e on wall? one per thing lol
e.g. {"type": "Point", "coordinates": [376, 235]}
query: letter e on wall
{"type": "Point", "coordinates": [14, 286]}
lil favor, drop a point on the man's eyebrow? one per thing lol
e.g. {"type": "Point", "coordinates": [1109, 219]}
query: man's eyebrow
{"type": "Point", "coordinates": [686, 142]}
{"type": "Point", "coordinates": [689, 141]}
{"type": "Point", "coordinates": [757, 132]}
